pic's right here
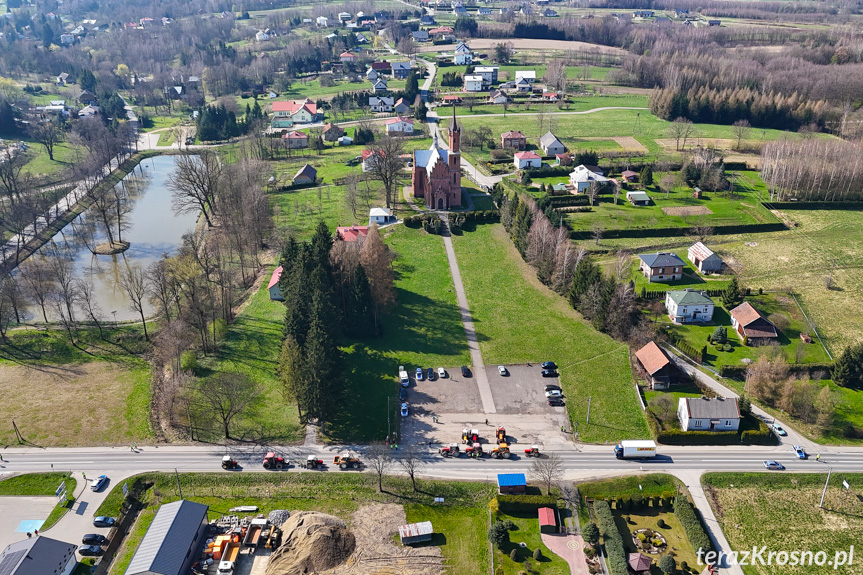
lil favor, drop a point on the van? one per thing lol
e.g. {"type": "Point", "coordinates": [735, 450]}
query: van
{"type": "Point", "coordinates": [403, 376]}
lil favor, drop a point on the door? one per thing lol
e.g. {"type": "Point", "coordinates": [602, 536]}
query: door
{"type": "Point", "coordinates": [440, 203]}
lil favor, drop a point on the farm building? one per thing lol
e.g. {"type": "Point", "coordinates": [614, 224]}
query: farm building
{"type": "Point", "coordinates": [629, 176]}
{"type": "Point", "coordinates": [661, 267]}
{"type": "Point", "coordinates": [416, 532]}
{"type": "Point", "coordinates": [656, 364]}
{"type": "Point", "coordinates": [332, 132]}
{"type": "Point", "coordinates": [173, 541]}
{"type": "Point", "coordinates": [551, 145]}
{"type": "Point", "coordinates": [704, 259]}
{"type": "Point", "coordinates": [511, 483]}
{"type": "Point", "coordinates": [638, 198]}
{"type": "Point", "coordinates": [306, 175]}
{"type": "Point", "coordinates": [689, 305]}
{"type": "Point", "coordinates": [703, 414]}
{"type": "Point", "coordinates": [547, 520]}
{"type": "Point", "coordinates": [749, 323]}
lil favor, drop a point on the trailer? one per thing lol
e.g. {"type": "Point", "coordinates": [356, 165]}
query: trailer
{"type": "Point", "coordinates": [253, 534]}
{"type": "Point", "coordinates": [635, 449]}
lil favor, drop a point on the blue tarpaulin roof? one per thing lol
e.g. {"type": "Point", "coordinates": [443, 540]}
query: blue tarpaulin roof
{"type": "Point", "coordinates": [510, 479]}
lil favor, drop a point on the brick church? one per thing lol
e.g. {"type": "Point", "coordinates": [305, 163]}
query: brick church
{"type": "Point", "coordinates": [436, 173]}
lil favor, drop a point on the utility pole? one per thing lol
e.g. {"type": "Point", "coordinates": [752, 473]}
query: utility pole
{"type": "Point", "coordinates": [388, 418]}
{"type": "Point", "coordinates": [179, 489]}
{"type": "Point", "coordinates": [826, 483]}
{"type": "Point", "coordinates": [589, 399]}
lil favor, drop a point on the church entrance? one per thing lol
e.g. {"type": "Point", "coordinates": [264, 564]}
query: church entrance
{"type": "Point", "coordinates": [440, 203]}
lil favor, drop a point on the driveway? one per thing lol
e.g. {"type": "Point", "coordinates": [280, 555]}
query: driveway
{"type": "Point", "coordinates": [15, 510]}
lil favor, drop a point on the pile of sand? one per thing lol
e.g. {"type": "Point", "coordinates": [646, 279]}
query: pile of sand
{"type": "Point", "coordinates": [311, 542]}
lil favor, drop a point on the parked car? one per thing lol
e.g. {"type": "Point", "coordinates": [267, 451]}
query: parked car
{"type": "Point", "coordinates": [556, 402]}
{"type": "Point", "coordinates": [430, 374]}
{"type": "Point", "coordinates": [94, 539]}
{"type": "Point", "coordinates": [549, 365]}
{"type": "Point", "coordinates": [98, 483]}
{"type": "Point", "coordinates": [770, 464]}
{"type": "Point", "coordinates": [102, 521]}
{"type": "Point", "coordinates": [419, 374]}
{"type": "Point", "coordinates": [549, 373]}
{"type": "Point", "coordinates": [403, 394]}
{"type": "Point", "coordinates": [777, 429]}
{"type": "Point", "coordinates": [441, 372]}
{"type": "Point", "coordinates": [553, 393]}
{"type": "Point", "coordinates": [465, 372]}
{"type": "Point", "coordinates": [552, 387]}
{"type": "Point", "coordinates": [502, 370]}
{"type": "Point", "coordinates": [404, 410]}
{"type": "Point", "coordinates": [801, 453]}
{"type": "Point", "coordinates": [89, 550]}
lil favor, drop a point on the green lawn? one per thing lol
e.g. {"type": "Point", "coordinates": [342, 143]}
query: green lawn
{"type": "Point", "coordinates": [578, 104]}
{"type": "Point", "coordinates": [648, 518]}
{"type": "Point", "coordinates": [460, 524]}
{"type": "Point", "coordinates": [519, 321]}
{"type": "Point", "coordinates": [39, 164]}
{"type": "Point", "coordinates": [781, 511]}
{"type": "Point", "coordinates": [424, 329]}
{"type": "Point", "coordinates": [251, 346]}
{"type": "Point", "coordinates": [313, 89]}
{"type": "Point", "coordinates": [527, 531]}
{"type": "Point", "coordinates": [651, 485]}
{"type": "Point", "coordinates": [42, 484]}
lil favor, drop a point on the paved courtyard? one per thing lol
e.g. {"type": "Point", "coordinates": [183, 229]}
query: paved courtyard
{"type": "Point", "coordinates": [14, 510]}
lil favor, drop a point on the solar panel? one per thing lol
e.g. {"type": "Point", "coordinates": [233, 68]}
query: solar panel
{"type": "Point", "coordinates": [10, 561]}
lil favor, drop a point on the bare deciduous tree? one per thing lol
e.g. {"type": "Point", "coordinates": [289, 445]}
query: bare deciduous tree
{"type": "Point", "coordinates": [681, 129]}
{"type": "Point", "coordinates": [380, 460]}
{"type": "Point", "coordinates": [227, 395]}
{"type": "Point", "coordinates": [35, 273]}
{"type": "Point", "coordinates": [88, 304]}
{"type": "Point", "coordinates": [410, 461]}
{"type": "Point", "coordinates": [740, 129]}
{"type": "Point", "coordinates": [387, 164]}
{"type": "Point", "coordinates": [48, 134]}
{"type": "Point", "coordinates": [547, 470]}
{"type": "Point", "coordinates": [194, 184]}
{"type": "Point", "coordinates": [134, 283]}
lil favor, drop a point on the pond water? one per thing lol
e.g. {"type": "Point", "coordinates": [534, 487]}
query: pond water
{"type": "Point", "coordinates": [145, 220]}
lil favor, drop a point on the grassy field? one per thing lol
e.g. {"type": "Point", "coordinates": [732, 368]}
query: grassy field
{"type": "Point", "coordinates": [424, 329]}
{"type": "Point", "coordinates": [42, 484]}
{"type": "Point", "coordinates": [525, 322]}
{"type": "Point", "coordinates": [459, 525]}
{"type": "Point", "coordinates": [101, 374]}
{"type": "Point", "coordinates": [648, 518]}
{"type": "Point", "coordinates": [580, 104]}
{"type": "Point", "coordinates": [251, 346]}
{"type": "Point", "coordinates": [39, 164]}
{"type": "Point", "coordinates": [781, 511]}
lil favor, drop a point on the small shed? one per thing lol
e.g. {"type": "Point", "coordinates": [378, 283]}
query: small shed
{"type": "Point", "coordinates": [547, 520]}
{"type": "Point", "coordinates": [638, 198]}
{"type": "Point", "coordinates": [511, 483]}
{"type": "Point", "coordinates": [703, 258]}
{"type": "Point", "coordinates": [416, 532]}
{"type": "Point", "coordinates": [629, 176]}
{"type": "Point", "coordinates": [306, 175]}
{"type": "Point", "coordinates": [273, 286]}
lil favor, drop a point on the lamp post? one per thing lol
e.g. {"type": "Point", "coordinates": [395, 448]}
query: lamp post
{"type": "Point", "coordinates": [388, 418]}
{"type": "Point", "coordinates": [826, 483]}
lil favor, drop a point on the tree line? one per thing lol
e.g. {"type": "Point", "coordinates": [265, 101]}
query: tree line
{"type": "Point", "coordinates": [813, 170]}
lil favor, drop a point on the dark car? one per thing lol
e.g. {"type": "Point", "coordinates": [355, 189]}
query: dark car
{"type": "Point", "coordinates": [551, 386]}
{"type": "Point", "coordinates": [94, 539]}
{"type": "Point", "coordinates": [549, 365]}
{"type": "Point", "coordinates": [430, 374]}
{"type": "Point", "coordinates": [89, 550]}
{"type": "Point", "coordinates": [465, 372]}
{"type": "Point", "coordinates": [549, 373]}
{"type": "Point", "coordinates": [403, 393]}
{"type": "Point", "coordinates": [555, 402]}
{"type": "Point", "coordinates": [102, 521]}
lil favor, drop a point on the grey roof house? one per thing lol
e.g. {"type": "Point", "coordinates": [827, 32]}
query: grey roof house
{"type": "Point", "coordinates": [38, 555]}
{"type": "Point", "coordinates": [173, 541]}
{"type": "Point", "coordinates": [551, 145]}
{"type": "Point", "coordinates": [401, 69]}
{"type": "Point", "coordinates": [661, 267]}
{"type": "Point", "coordinates": [703, 414]}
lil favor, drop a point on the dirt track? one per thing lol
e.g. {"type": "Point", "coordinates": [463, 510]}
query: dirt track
{"type": "Point", "coordinates": [530, 44]}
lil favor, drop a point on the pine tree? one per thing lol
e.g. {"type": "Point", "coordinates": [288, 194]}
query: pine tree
{"type": "Point", "coordinates": [361, 313]}
{"type": "Point", "coordinates": [586, 274]}
{"type": "Point", "coordinates": [719, 335]}
{"type": "Point", "coordinates": [848, 367]}
{"type": "Point", "coordinates": [521, 226]}
{"type": "Point", "coordinates": [731, 294]}
{"type": "Point", "coordinates": [645, 177]}
{"type": "Point", "coordinates": [289, 370]}
{"type": "Point", "coordinates": [322, 387]}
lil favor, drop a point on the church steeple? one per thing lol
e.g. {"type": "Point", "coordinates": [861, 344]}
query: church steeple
{"type": "Point", "coordinates": [454, 134]}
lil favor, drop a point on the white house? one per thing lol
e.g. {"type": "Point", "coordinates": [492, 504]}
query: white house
{"type": "Point", "coordinates": [581, 178]}
{"type": "Point", "coordinates": [381, 216]}
{"type": "Point", "coordinates": [379, 85]}
{"type": "Point", "coordinates": [488, 73]}
{"type": "Point", "coordinates": [527, 159]}
{"type": "Point", "coordinates": [400, 126]}
{"type": "Point", "coordinates": [371, 75]}
{"type": "Point", "coordinates": [473, 83]}
{"type": "Point", "coordinates": [261, 36]}
{"type": "Point", "coordinates": [529, 75]}
{"type": "Point", "coordinates": [344, 16]}
{"type": "Point", "coordinates": [689, 305]}
{"type": "Point", "coordinates": [522, 85]}
{"type": "Point", "coordinates": [322, 21]}
{"type": "Point", "coordinates": [381, 104]}
{"type": "Point", "coordinates": [462, 55]}
{"type": "Point", "coordinates": [496, 97]}
{"type": "Point", "coordinates": [67, 38]}
{"type": "Point", "coordinates": [703, 258]}
{"type": "Point", "coordinates": [703, 414]}
{"type": "Point", "coordinates": [88, 111]}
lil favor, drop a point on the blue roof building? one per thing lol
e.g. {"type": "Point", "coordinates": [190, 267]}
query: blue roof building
{"type": "Point", "coordinates": [511, 483]}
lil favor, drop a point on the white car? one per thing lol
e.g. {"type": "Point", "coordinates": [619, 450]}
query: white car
{"type": "Point", "coordinates": [553, 393]}
{"type": "Point", "coordinates": [502, 370]}
{"type": "Point", "coordinates": [777, 429]}
{"type": "Point", "coordinates": [441, 372]}
{"type": "Point", "coordinates": [404, 410]}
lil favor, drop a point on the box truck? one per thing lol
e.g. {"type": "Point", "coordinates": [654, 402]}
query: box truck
{"type": "Point", "coordinates": [638, 449]}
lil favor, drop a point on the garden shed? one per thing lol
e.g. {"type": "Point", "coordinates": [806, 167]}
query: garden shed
{"type": "Point", "coordinates": [547, 520]}
{"type": "Point", "coordinates": [416, 532]}
{"type": "Point", "coordinates": [511, 483]}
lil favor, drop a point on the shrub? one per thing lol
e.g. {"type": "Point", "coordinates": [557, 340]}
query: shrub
{"type": "Point", "coordinates": [662, 524]}
{"type": "Point", "coordinates": [590, 533]}
{"type": "Point", "coordinates": [509, 525]}
{"type": "Point", "coordinates": [726, 347]}
{"type": "Point", "coordinates": [692, 525]}
{"type": "Point", "coordinates": [189, 361]}
{"type": "Point", "coordinates": [613, 542]}
{"type": "Point", "coordinates": [525, 503]}
{"type": "Point", "coordinates": [537, 553]}
{"type": "Point", "coordinates": [498, 534]}
{"type": "Point", "coordinates": [494, 506]}
{"type": "Point", "coordinates": [528, 568]}
{"type": "Point", "coordinates": [667, 564]}
{"type": "Point", "coordinates": [641, 536]}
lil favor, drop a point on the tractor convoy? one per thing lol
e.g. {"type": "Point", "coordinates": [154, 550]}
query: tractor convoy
{"type": "Point", "coordinates": [474, 447]}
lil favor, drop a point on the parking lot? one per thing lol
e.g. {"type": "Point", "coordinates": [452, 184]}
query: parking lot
{"type": "Point", "coordinates": [519, 400]}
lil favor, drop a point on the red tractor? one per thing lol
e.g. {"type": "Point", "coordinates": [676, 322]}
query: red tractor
{"type": "Point", "coordinates": [313, 462]}
{"type": "Point", "coordinates": [273, 461]}
{"type": "Point", "coordinates": [474, 450]}
{"type": "Point", "coordinates": [228, 463]}
{"type": "Point", "coordinates": [532, 451]}
{"type": "Point", "coordinates": [450, 450]}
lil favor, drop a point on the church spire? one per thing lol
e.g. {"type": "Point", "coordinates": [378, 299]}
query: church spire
{"type": "Point", "coordinates": [454, 123]}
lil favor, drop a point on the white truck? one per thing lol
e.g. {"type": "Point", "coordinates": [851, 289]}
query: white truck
{"type": "Point", "coordinates": [226, 568]}
{"type": "Point", "coordinates": [403, 376]}
{"type": "Point", "coordinates": [635, 449]}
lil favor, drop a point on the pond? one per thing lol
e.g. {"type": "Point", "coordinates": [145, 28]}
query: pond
{"type": "Point", "coordinates": [137, 211]}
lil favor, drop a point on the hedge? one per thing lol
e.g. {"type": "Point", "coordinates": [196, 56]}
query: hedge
{"type": "Point", "coordinates": [696, 355]}
{"type": "Point", "coordinates": [549, 171]}
{"type": "Point", "coordinates": [692, 525]}
{"type": "Point", "coordinates": [760, 436]}
{"type": "Point", "coordinates": [525, 503]}
{"type": "Point", "coordinates": [611, 537]}
{"type": "Point", "coordinates": [739, 371]}
{"type": "Point", "coordinates": [679, 232]}
{"type": "Point", "coordinates": [816, 205]}
{"type": "Point", "coordinates": [574, 210]}
{"type": "Point", "coordinates": [566, 201]}
{"type": "Point", "coordinates": [679, 437]}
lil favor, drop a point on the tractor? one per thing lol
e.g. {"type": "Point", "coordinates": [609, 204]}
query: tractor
{"type": "Point", "coordinates": [450, 450]}
{"type": "Point", "coordinates": [273, 461]}
{"type": "Point", "coordinates": [501, 451]}
{"type": "Point", "coordinates": [228, 463]}
{"type": "Point", "coordinates": [474, 450]}
{"type": "Point", "coordinates": [346, 460]}
{"type": "Point", "coordinates": [501, 435]}
{"type": "Point", "coordinates": [469, 436]}
{"type": "Point", "coordinates": [532, 451]}
{"type": "Point", "coordinates": [313, 462]}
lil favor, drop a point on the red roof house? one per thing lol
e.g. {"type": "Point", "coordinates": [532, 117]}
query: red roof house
{"type": "Point", "coordinates": [749, 323]}
{"type": "Point", "coordinates": [273, 286]}
{"type": "Point", "coordinates": [347, 57]}
{"type": "Point", "coordinates": [351, 233]}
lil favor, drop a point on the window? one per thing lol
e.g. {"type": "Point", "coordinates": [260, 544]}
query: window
{"type": "Point", "coordinates": [660, 270]}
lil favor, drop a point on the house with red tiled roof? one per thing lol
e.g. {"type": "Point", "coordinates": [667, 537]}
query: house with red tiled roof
{"type": "Point", "coordinates": [286, 114]}
{"type": "Point", "coordinates": [347, 57]}
{"type": "Point", "coordinates": [656, 365]}
{"type": "Point", "coordinates": [296, 140]}
{"type": "Point", "coordinates": [513, 139]}
{"type": "Point", "coordinates": [351, 233]}
{"type": "Point", "coordinates": [528, 159]}
{"type": "Point", "coordinates": [750, 324]}
{"type": "Point", "coordinates": [400, 126]}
